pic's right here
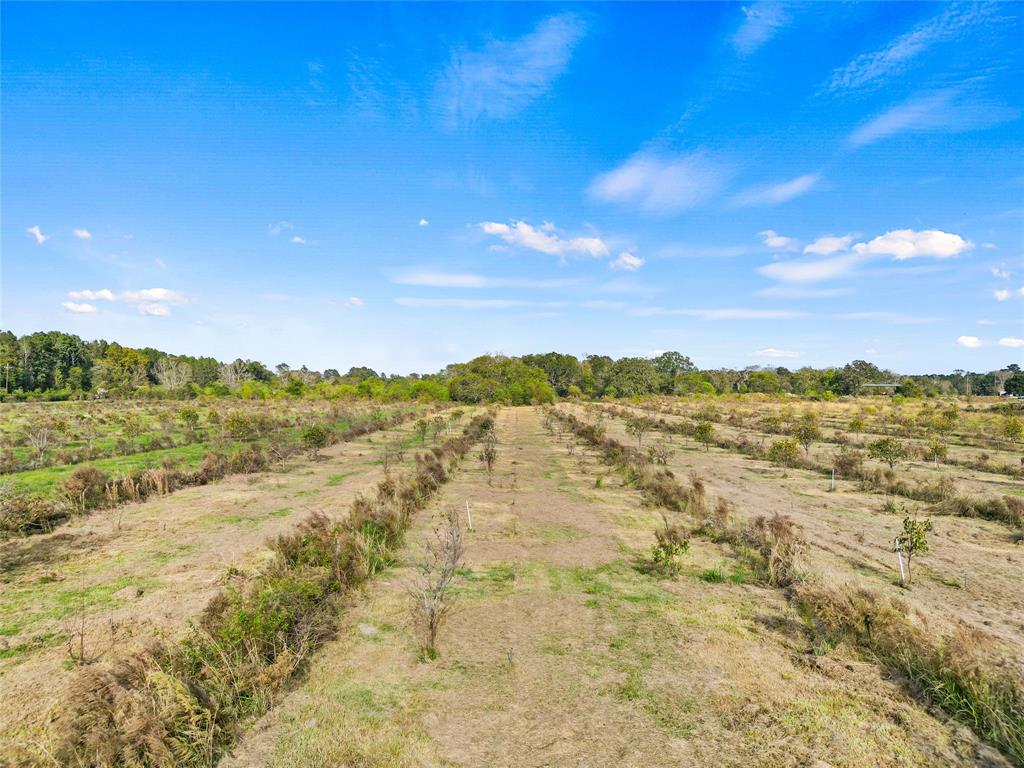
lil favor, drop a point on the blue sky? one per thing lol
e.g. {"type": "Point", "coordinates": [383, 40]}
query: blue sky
{"type": "Point", "coordinates": [404, 186]}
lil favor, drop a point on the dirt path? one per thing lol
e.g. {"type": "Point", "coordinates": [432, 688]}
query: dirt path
{"type": "Point", "coordinates": [170, 556]}
{"type": "Point", "coordinates": [564, 650]}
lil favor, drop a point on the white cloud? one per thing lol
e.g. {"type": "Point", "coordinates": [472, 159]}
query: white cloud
{"type": "Point", "coordinates": [661, 183]}
{"type": "Point", "coordinates": [807, 271]}
{"type": "Point", "coordinates": [1001, 273]}
{"type": "Point", "coordinates": [901, 244]}
{"type": "Point", "coordinates": [945, 110]}
{"type": "Point", "coordinates": [154, 309]}
{"type": "Point", "coordinates": [159, 262]}
{"type": "Point", "coordinates": [504, 77]}
{"type": "Point", "coordinates": [523, 235]}
{"type": "Point", "coordinates": [761, 22]}
{"type": "Point", "coordinates": [719, 314]}
{"type": "Point", "coordinates": [773, 239]}
{"type": "Point", "coordinates": [355, 301]}
{"type": "Point", "coordinates": [904, 244]}
{"type": "Point", "coordinates": [82, 234]}
{"type": "Point", "coordinates": [153, 294]}
{"type": "Point", "coordinates": [101, 295]}
{"type": "Point", "coordinates": [971, 342]}
{"type": "Point", "coordinates": [38, 234]}
{"type": "Point", "coordinates": [1002, 295]}
{"type": "Point", "coordinates": [775, 194]}
{"type": "Point", "coordinates": [826, 246]}
{"type": "Point", "coordinates": [871, 68]}
{"type": "Point", "coordinates": [424, 223]}
{"type": "Point", "coordinates": [773, 352]}
{"type": "Point", "coordinates": [1011, 342]}
{"type": "Point", "coordinates": [627, 261]}
{"type": "Point", "coordinates": [79, 309]}
{"type": "Point", "coordinates": [276, 229]}
{"type": "Point", "coordinates": [298, 240]}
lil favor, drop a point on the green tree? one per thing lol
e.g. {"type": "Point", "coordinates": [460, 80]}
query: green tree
{"type": "Point", "coordinates": [807, 432]}
{"type": "Point", "coordinates": [314, 438]}
{"type": "Point", "coordinates": [784, 452]}
{"type": "Point", "coordinates": [638, 426]}
{"type": "Point", "coordinates": [704, 433]}
{"type": "Point", "coordinates": [633, 376]}
{"type": "Point", "coordinates": [912, 541]}
{"type": "Point", "coordinates": [887, 449]}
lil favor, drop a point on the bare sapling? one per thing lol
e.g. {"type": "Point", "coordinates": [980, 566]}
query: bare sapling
{"type": "Point", "coordinates": [430, 590]}
{"type": "Point", "coordinates": [489, 455]}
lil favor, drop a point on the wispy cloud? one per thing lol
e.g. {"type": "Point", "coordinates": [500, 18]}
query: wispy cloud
{"type": "Point", "coordinates": [103, 294]}
{"type": "Point", "coordinates": [545, 239]}
{"type": "Point", "coordinates": [424, 223]}
{"type": "Point", "coordinates": [801, 292]}
{"type": "Point", "coordinates": [688, 251]}
{"type": "Point", "coordinates": [82, 234]}
{"type": "Point", "coordinates": [829, 244]}
{"type": "Point", "coordinates": [355, 301]}
{"type": "Point", "coordinates": [871, 69]}
{"type": "Point", "coordinates": [456, 303]}
{"type": "Point", "coordinates": [37, 233]}
{"type": "Point", "coordinates": [662, 183]}
{"type": "Point", "coordinates": [504, 77]}
{"type": "Point", "coordinates": [1011, 342]}
{"type": "Point", "coordinates": [627, 261]}
{"type": "Point", "coordinates": [811, 271]}
{"type": "Point", "coordinates": [298, 240]}
{"type": "Point", "coordinates": [78, 309]}
{"type": "Point", "coordinates": [761, 22]}
{"type": "Point", "coordinates": [948, 110]}
{"type": "Point", "coordinates": [428, 279]}
{"type": "Point", "coordinates": [730, 313]}
{"type": "Point", "coordinates": [776, 194]}
{"type": "Point", "coordinates": [276, 229]}
{"type": "Point", "coordinates": [890, 318]}
{"type": "Point", "coordinates": [773, 352]}
{"type": "Point", "coordinates": [773, 239]}
{"type": "Point", "coordinates": [153, 309]}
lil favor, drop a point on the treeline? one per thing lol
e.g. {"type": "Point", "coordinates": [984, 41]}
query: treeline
{"type": "Point", "coordinates": [60, 366]}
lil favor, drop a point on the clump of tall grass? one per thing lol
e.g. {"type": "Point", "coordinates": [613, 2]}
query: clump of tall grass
{"type": "Point", "coordinates": [959, 673]}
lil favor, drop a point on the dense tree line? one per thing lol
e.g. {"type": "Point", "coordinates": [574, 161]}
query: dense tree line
{"type": "Point", "coordinates": [55, 365]}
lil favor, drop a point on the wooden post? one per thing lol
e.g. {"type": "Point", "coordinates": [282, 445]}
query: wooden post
{"type": "Point", "coordinates": [833, 487]}
{"type": "Point", "coordinates": [469, 516]}
{"type": "Point", "coordinates": [899, 558]}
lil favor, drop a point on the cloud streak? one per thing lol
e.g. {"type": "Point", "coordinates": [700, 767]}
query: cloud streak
{"type": "Point", "coordinates": [544, 239]}
{"type": "Point", "coordinates": [942, 111]}
{"type": "Point", "coordinates": [761, 22]}
{"type": "Point", "coordinates": [661, 183]}
{"type": "Point", "coordinates": [776, 194]}
{"type": "Point", "coordinates": [502, 79]}
{"type": "Point", "coordinates": [871, 69]}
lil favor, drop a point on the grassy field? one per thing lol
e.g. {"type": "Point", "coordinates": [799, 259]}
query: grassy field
{"type": "Point", "coordinates": [565, 644]}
